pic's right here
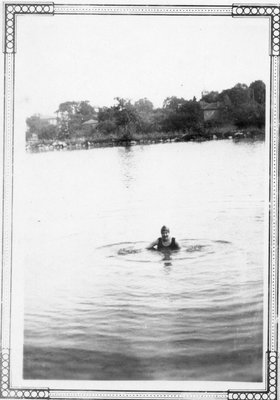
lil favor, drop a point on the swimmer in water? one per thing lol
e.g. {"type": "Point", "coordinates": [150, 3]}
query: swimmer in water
{"type": "Point", "coordinates": [165, 242]}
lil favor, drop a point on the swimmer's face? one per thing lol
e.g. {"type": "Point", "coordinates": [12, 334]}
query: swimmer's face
{"type": "Point", "coordinates": [165, 235]}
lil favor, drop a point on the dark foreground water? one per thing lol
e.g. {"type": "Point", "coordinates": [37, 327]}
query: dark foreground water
{"type": "Point", "coordinates": [99, 306]}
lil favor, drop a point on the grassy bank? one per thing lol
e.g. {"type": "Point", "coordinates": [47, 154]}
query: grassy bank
{"type": "Point", "coordinates": [225, 132]}
{"type": "Point", "coordinates": [102, 140]}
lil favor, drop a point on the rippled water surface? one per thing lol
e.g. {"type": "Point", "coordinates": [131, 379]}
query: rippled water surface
{"type": "Point", "coordinates": [99, 306]}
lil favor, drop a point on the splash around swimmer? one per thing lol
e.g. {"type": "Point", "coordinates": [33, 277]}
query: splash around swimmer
{"type": "Point", "coordinates": [165, 242]}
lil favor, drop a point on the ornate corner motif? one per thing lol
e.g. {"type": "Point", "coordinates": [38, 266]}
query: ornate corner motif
{"type": "Point", "coordinates": [11, 11]}
{"type": "Point", "coordinates": [273, 12]}
{"type": "Point", "coordinates": [271, 391]}
{"type": "Point", "coordinates": [7, 392]}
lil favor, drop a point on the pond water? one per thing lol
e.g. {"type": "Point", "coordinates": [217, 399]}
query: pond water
{"type": "Point", "coordinates": [99, 306]}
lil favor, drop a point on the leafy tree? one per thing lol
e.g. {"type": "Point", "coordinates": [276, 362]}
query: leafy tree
{"type": "Point", "coordinates": [249, 114]}
{"type": "Point", "coordinates": [235, 96]}
{"type": "Point", "coordinates": [182, 115]}
{"type": "Point", "coordinates": [156, 123]}
{"type": "Point", "coordinates": [243, 106]}
{"type": "Point", "coordinates": [211, 97]}
{"type": "Point", "coordinates": [35, 124]}
{"type": "Point", "coordinates": [66, 112]}
{"type": "Point", "coordinates": [127, 119]}
{"type": "Point", "coordinates": [48, 133]}
{"type": "Point", "coordinates": [122, 118]}
{"type": "Point", "coordinates": [146, 115]}
{"type": "Point", "coordinates": [193, 114]}
{"type": "Point", "coordinates": [106, 120]}
{"type": "Point", "coordinates": [125, 112]}
{"type": "Point", "coordinates": [72, 115]}
{"type": "Point", "coordinates": [257, 91]}
{"type": "Point", "coordinates": [144, 106]}
{"type": "Point", "coordinates": [86, 110]}
{"type": "Point", "coordinates": [173, 103]}
{"type": "Point", "coordinates": [41, 127]}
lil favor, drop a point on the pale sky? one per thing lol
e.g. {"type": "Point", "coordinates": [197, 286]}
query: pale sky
{"type": "Point", "coordinates": [97, 58]}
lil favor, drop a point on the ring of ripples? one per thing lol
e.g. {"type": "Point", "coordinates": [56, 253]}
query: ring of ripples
{"type": "Point", "coordinates": [189, 249]}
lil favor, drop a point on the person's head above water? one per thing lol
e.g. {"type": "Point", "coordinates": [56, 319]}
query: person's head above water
{"type": "Point", "coordinates": [164, 242]}
{"type": "Point", "coordinates": [164, 232]}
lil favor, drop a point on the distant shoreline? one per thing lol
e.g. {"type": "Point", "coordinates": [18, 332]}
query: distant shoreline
{"type": "Point", "coordinates": [145, 139]}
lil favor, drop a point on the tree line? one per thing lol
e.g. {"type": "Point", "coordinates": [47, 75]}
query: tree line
{"type": "Point", "coordinates": [241, 106]}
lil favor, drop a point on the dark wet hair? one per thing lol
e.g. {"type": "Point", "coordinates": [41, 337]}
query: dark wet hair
{"type": "Point", "coordinates": [164, 229]}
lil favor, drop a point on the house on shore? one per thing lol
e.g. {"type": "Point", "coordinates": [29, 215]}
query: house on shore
{"type": "Point", "coordinates": [91, 123]}
{"type": "Point", "coordinates": [89, 128]}
{"type": "Point", "coordinates": [210, 110]}
{"type": "Point", "coordinates": [50, 119]}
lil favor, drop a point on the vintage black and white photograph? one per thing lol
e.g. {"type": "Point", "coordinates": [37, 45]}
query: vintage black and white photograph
{"type": "Point", "coordinates": [141, 193]}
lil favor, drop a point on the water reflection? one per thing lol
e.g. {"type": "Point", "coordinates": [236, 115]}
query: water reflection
{"type": "Point", "coordinates": [167, 259]}
{"type": "Point", "coordinates": [167, 263]}
{"type": "Point", "coordinates": [127, 162]}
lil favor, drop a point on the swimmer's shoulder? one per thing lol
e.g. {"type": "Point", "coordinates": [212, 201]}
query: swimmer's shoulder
{"type": "Point", "coordinates": [175, 243]}
{"type": "Point", "coordinates": [153, 244]}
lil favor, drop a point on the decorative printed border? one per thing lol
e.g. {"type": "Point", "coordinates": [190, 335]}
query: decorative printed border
{"type": "Point", "coordinates": [8, 392]}
{"type": "Point", "coordinates": [271, 392]}
{"type": "Point", "coordinates": [11, 12]}
{"type": "Point", "coordinates": [273, 12]}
